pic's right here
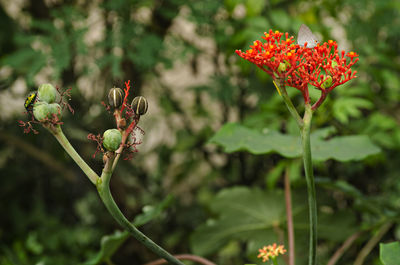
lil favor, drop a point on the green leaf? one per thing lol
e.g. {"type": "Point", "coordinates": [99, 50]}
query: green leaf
{"type": "Point", "coordinates": [152, 212]}
{"type": "Point", "coordinates": [243, 214]}
{"type": "Point", "coordinates": [146, 53]}
{"type": "Point", "coordinates": [282, 18]}
{"type": "Point", "coordinates": [346, 108]}
{"type": "Point", "coordinates": [234, 137]}
{"type": "Point", "coordinates": [109, 245]}
{"type": "Point", "coordinates": [254, 7]}
{"type": "Point", "coordinates": [337, 226]}
{"type": "Point", "coordinates": [390, 253]}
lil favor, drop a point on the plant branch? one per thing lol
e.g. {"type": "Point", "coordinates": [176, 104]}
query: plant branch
{"type": "Point", "coordinates": [36, 153]}
{"type": "Point", "coordinates": [194, 258]}
{"type": "Point", "coordinates": [372, 242]}
{"type": "Point", "coordinates": [103, 188]}
{"type": "Point", "coordinates": [289, 218]}
{"type": "Point", "coordinates": [339, 252]}
{"type": "Point", "coordinates": [59, 135]}
{"type": "Point", "coordinates": [289, 104]}
{"type": "Point", "coordinates": [320, 100]}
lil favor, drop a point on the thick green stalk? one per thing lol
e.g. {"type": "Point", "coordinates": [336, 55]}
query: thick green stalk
{"type": "Point", "coordinates": [103, 187]}
{"type": "Point", "coordinates": [59, 135]}
{"type": "Point", "coordinates": [308, 168]}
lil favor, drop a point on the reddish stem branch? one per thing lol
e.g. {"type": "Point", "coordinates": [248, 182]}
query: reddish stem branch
{"type": "Point", "coordinates": [183, 257]}
{"type": "Point", "coordinates": [362, 255]}
{"type": "Point", "coordinates": [346, 245]}
{"type": "Point", "coordinates": [320, 100]}
{"type": "Point", "coordinates": [289, 218]}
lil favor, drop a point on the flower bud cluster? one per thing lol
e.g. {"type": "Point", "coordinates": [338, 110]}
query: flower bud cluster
{"type": "Point", "coordinates": [126, 117]}
{"type": "Point", "coordinates": [117, 98]}
{"type": "Point", "coordinates": [42, 104]}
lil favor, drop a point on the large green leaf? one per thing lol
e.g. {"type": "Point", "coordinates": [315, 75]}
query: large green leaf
{"type": "Point", "coordinates": [390, 253]}
{"type": "Point", "coordinates": [234, 137]}
{"type": "Point", "coordinates": [243, 214]}
{"type": "Point", "coordinates": [252, 216]}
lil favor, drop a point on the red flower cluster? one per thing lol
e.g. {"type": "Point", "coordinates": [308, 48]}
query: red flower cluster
{"type": "Point", "coordinates": [323, 66]}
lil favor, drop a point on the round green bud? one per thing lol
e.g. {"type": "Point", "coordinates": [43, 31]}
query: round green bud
{"type": "Point", "coordinates": [282, 67]}
{"type": "Point", "coordinates": [334, 64]}
{"type": "Point", "coordinates": [140, 105]}
{"type": "Point", "coordinates": [112, 139]}
{"type": "Point", "coordinates": [115, 97]}
{"type": "Point", "coordinates": [47, 93]}
{"type": "Point", "coordinates": [55, 108]}
{"type": "Point", "coordinates": [327, 83]}
{"type": "Point", "coordinates": [41, 111]}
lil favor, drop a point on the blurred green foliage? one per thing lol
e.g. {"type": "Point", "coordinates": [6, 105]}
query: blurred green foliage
{"type": "Point", "coordinates": [180, 55]}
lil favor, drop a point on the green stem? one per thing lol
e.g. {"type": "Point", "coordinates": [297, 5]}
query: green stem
{"type": "Point", "coordinates": [59, 135]}
{"type": "Point", "coordinates": [289, 104]}
{"type": "Point", "coordinates": [103, 188]}
{"type": "Point", "coordinates": [308, 168]}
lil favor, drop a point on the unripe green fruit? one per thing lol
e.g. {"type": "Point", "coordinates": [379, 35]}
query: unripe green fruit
{"type": "Point", "coordinates": [112, 139]}
{"type": "Point", "coordinates": [55, 108]}
{"type": "Point", "coordinates": [281, 67]}
{"type": "Point", "coordinates": [47, 93]}
{"type": "Point", "coordinates": [327, 83]}
{"type": "Point", "coordinates": [41, 111]}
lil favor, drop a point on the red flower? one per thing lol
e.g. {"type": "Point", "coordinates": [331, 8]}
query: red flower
{"type": "Point", "coordinates": [322, 66]}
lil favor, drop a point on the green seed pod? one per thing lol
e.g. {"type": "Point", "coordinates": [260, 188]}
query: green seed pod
{"type": "Point", "coordinates": [140, 105]}
{"type": "Point", "coordinates": [115, 97]}
{"type": "Point", "coordinates": [47, 93]}
{"type": "Point", "coordinates": [281, 67]}
{"type": "Point", "coordinates": [327, 83]}
{"type": "Point", "coordinates": [55, 108]}
{"type": "Point", "coordinates": [41, 111]}
{"type": "Point", "coordinates": [112, 139]}
{"type": "Point", "coordinates": [30, 100]}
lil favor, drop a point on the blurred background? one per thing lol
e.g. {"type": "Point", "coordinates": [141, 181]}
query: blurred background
{"type": "Point", "coordinates": [181, 56]}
